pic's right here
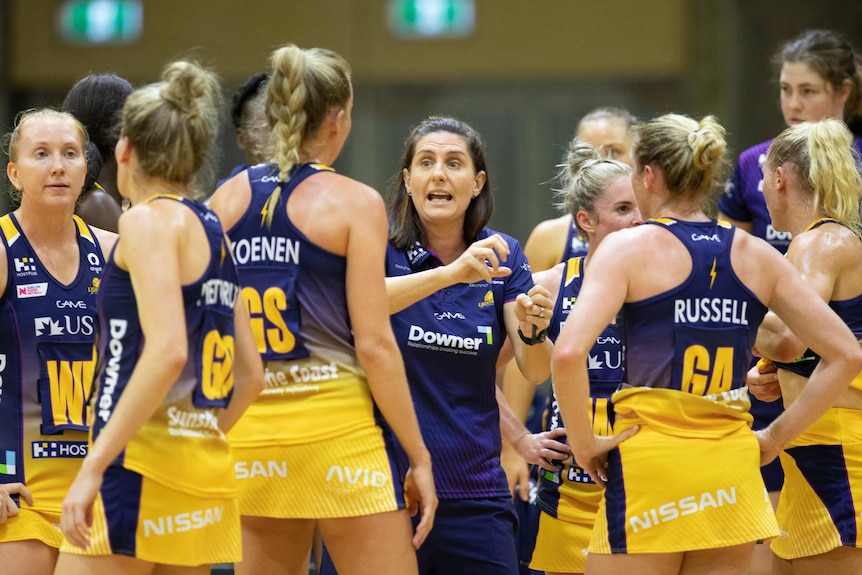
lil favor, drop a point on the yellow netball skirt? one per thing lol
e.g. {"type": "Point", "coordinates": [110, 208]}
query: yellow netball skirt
{"type": "Point", "coordinates": [347, 476]}
{"type": "Point", "coordinates": [561, 543]}
{"type": "Point", "coordinates": [30, 524]}
{"type": "Point", "coordinates": [561, 546]}
{"type": "Point", "coordinates": [822, 493]}
{"type": "Point", "coordinates": [140, 518]}
{"type": "Point", "coordinates": [688, 480]}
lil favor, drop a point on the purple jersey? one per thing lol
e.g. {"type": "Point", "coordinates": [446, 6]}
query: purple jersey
{"type": "Point", "coordinates": [575, 244]}
{"type": "Point", "coordinates": [180, 445]}
{"type": "Point", "coordinates": [450, 341]}
{"type": "Point", "coordinates": [743, 200]}
{"type": "Point", "coordinates": [697, 337]}
{"type": "Point", "coordinates": [47, 361]}
{"type": "Point", "coordinates": [849, 310]}
{"type": "Point", "coordinates": [209, 301]}
{"type": "Point", "coordinates": [283, 276]}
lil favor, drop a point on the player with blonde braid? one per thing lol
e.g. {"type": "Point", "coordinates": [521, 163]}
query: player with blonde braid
{"type": "Point", "coordinates": [310, 244]}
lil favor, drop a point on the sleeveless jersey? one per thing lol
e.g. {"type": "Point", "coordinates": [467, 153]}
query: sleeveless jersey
{"type": "Point", "coordinates": [47, 360]}
{"type": "Point", "coordinates": [269, 263]}
{"type": "Point", "coordinates": [818, 507]}
{"type": "Point", "coordinates": [605, 369]}
{"type": "Point", "coordinates": [687, 352]}
{"type": "Point", "coordinates": [696, 337]}
{"type": "Point", "coordinates": [450, 341]}
{"type": "Point", "coordinates": [575, 245]}
{"type": "Point", "coordinates": [296, 295]}
{"type": "Point", "coordinates": [181, 445]}
{"type": "Point", "coordinates": [850, 311]}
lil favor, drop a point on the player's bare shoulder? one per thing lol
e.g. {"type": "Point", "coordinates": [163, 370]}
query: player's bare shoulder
{"type": "Point", "coordinates": [552, 228]}
{"type": "Point", "coordinates": [638, 241]}
{"type": "Point", "coordinates": [106, 239]}
{"type": "Point", "coordinates": [550, 279]}
{"type": "Point", "coordinates": [231, 199]}
{"type": "Point", "coordinates": [349, 194]}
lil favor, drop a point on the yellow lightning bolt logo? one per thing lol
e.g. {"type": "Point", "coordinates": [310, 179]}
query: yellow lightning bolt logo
{"type": "Point", "coordinates": [263, 213]}
{"type": "Point", "coordinates": [712, 274]}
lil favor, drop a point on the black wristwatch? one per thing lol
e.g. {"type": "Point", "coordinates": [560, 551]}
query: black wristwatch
{"type": "Point", "coordinates": [537, 337]}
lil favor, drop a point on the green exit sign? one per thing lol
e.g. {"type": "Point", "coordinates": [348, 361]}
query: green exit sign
{"type": "Point", "coordinates": [101, 21]}
{"type": "Point", "coordinates": [432, 18]}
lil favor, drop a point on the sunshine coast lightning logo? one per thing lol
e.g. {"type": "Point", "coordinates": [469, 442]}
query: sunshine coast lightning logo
{"type": "Point", "coordinates": [488, 299]}
{"type": "Point", "coordinates": [712, 274]}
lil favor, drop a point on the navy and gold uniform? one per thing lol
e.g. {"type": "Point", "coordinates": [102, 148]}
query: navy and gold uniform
{"type": "Point", "coordinates": [47, 361]}
{"type": "Point", "coordinates": [569, 498]}
{"type": "Point", "coordinates": [529, 514]}
{"type": "Point", "coordinates": [818, 507]}
{"type": "Point", "coordinates": [848, 310]}
{"type": "Point", "coordinates": [575, 245]}
{"type": "Point", "coordinates": [743, 201]}
{"type": "Point", "coordinates": [294, 459]}
{"type": "Point", "coordinates": [687, 352]}
{"type": "Point", "coordinates": [170, 496]}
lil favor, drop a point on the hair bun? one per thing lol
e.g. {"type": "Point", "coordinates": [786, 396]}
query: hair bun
{"type": "Point", "coordinates": [579, 155]}
{"type": "Point", "coordinates": [707, 143]}
{"type": "Point", "coordinates": [187, 86]}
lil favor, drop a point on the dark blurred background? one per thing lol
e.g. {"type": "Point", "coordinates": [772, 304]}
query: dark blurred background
{"type": "Point", "coordinates": [522, 73]}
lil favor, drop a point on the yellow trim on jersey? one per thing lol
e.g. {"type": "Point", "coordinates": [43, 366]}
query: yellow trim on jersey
{"type": "Point", "coordinates": [322, 167]}
{"type": "Point", "coordinates": [665, 221]}
{"type": "Point", "coordinates": [83, 229]}
{"type": "Point", "coordinates": [272, 199]}
{"type": "Point", "coordinates": [818, 221]}
{"type": "Point", "coordinates": [9, 230]}
{"type": "Point", "coordinates": [573, 269]}
{"type": "Point", "coordinates": [668, 221]}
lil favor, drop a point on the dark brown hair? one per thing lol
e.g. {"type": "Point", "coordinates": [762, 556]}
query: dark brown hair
{"type": "Point", "coordinates": [405, 228]}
